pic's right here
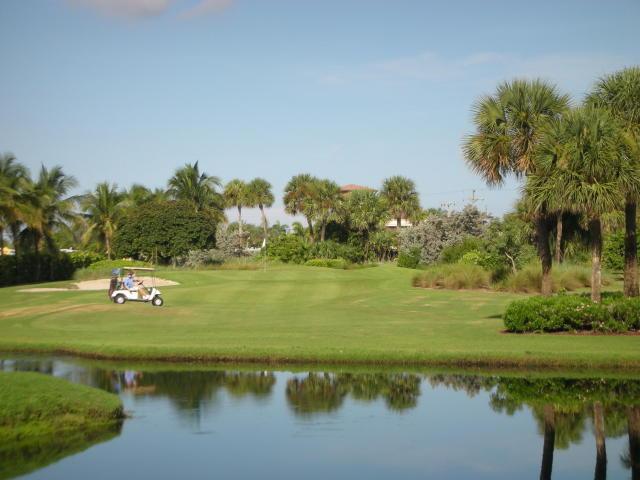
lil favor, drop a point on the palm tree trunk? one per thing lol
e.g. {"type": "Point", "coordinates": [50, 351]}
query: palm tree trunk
{"type": "Point", "coordinates": [633, 417]}
{"type": "Point", "coordinates": [559, 238]}
{"type": "Point", "coordinates": [544, 251]}
{"type": "Point", "coordinates": [15, 234]}
{"type": "Point", "coordinates": [399, 223]}
{"type": "Point", "coordinates": [107, 241]}
{"type": "Point", "coordinates": [549, 442]}
{"type": "Point", "coordinates": [322, 231]}
{"type": "Point", "coordinates": [311, 234]}
{"type": "Point", "coordinates": [630, 250]}
{"type": "Point", "coordinates": [240, 220]}
{"type": "Point", "coordinates": [264, 222]}
{"type": "Point", "coordinates": [595, 231]}
{"type": "Point", "coordinates": [1, 241]}
{"type": "Point", "coordinates": [601, 447]}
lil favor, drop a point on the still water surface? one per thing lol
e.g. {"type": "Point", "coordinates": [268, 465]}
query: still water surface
{"type": "Point", "coordinates": [198, 422]}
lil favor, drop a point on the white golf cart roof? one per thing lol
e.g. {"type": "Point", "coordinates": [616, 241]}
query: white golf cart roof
{"type": "Point", "coordinates": [146, 269]}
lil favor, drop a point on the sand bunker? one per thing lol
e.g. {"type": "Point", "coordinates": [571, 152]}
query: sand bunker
{"type": "Point", "coordinates": [102, 284]}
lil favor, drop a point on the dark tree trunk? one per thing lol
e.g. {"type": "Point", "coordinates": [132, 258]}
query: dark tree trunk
{"type": "Point", "coordinates": [1, 241]}
{"type": "Point", "coordinates": [559, 238]}
{"type": "Point", "coordinates": [240, 220]}
{"type": "Point", "coordinates": [634, 441]}
{"type": "Point", "coordinates": [601, 447]}
{"type": "Point", "coordinates": [549, 442]}
{"type": "Point", "coordinates": [595, 232]}
{"type": "Point", "coordinates": [544, 251]}
{"type": "Point", "coordinates": [15, 234]}
{"type": "Point", "coordinates": [311, 233]}
{"type": "Point", "coordinates": [630, 250]}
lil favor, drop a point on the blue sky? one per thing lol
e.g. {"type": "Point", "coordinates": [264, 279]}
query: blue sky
{"type": "Point", "coordinates": [354, 90]}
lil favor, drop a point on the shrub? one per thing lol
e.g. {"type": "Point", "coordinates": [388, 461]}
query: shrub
{"type": "Point", "coordinates": [455, 277]}
{"type": "Point", "coordinates": [613, 251]}
{"type": "Point", "coordinates": [201, 258]}
{"type": "Point", "coordinates": [565, 278]}
{"type": "Point", "coordinates": [288, 249]}
{"type": "Point", "coordinates": [409, 258]}
{"type": "Point", "coordinates": [84, 259]}
{"type": "Point", "coordinates": [339, 263]}
{"type": "Point", "coordinates": [32, 268]}
{"type": "Point", "coordinates": [103, 268]}
{"type": "Point", "coordinates": [453, 253]}
{"type": "Point", "coordinates": [333, 250]}
{"type": "Point", "coordinates": [573, 313]}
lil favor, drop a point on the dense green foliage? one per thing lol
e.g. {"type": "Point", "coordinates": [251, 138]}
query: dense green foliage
{"type": "Point", "coordinates": [164, 231]}
{"type": "Point", "coordinates": [409, 258]}
{"type": "Point", "coordinates": [573, 313]}
{"type": "Point", "coordinates": [328, 263]}
{"type": "Point", "coordinates": [84, 259]}
{"type": "Point", "coordinates": [34, 268]}
{"type": "Point", "coordinates": [613, 251]}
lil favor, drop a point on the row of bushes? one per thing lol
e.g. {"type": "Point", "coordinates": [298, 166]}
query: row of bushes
{"type": "Point", "coordinates": [461, 276]}
{"type": "Point", "coordinates": [566, 313]}
{"type": "Point", "coordinates": [32, 268]}
{"type": "Point", "coordinates": [293, 249]}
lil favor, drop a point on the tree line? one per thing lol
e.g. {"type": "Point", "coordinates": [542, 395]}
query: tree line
{"type": "Point", "coordinates": [581, 160]}
{"type": "Point", "coordinates": [39, 213]}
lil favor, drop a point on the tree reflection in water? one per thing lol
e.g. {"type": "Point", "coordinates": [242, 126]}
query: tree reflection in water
{"type": "Point", "coordinates": [325, 392]}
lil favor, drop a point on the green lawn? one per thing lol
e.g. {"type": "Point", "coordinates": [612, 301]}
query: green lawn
{"type": "Point", "coordinates": [299, 314]}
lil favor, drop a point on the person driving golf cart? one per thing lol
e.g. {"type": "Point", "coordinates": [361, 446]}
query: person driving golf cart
{"type": "Point", "coordinates": [129, 281]}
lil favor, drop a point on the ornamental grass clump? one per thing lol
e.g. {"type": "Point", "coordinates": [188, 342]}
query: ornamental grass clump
{"type": "Point", "coordinates": [455, 277]}
{"type": "Point", "coordinates": [573, 313]}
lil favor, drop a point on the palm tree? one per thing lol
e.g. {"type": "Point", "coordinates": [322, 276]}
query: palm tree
{"type": "Point", "coordinates": [199, 189]}
{"type": "Point", "coordinates": [507, 131]}
{"type": "Point", "coordinates": [236, 194]}
{"type": "Point", "coordinates": [327, 202]}
{"type": "Point", "coordinates": [620, 93]}
{"type": "Point", "coordinates": [260, 195]}
{"type": "Point", "coordinates": [12, 180]}
{"type": "Point", "coordinates": [367, 211]}
{"type": "Point", "coordinates": [299, 198]}
{"type": "Point", "coordinates": [47, 206]}
{"type": "Point", "coordinates": [601, 446]}
{"type": "Point", "coordinates": [546, 467]}
{"type": "Point", "coordinates": [579, 170]}
{"type": "Point", "coordinates": [104, 208]}
{"type": "Point", "coordinates": [401, 197]}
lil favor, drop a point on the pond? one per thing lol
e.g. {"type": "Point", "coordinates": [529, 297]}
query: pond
{"type": "Point", "coordinates": [204, 422]}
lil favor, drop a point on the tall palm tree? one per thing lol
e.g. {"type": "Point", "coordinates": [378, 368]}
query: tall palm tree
{"type": "Point", "coordinates": [139, 195]}
{"type": "Point", "coordinates": [580, 170]}
{"type": "Point", "coordinates": [260, 195]}
{"type": "Point", "coordinates": [299, 198]}
{"type": "Point", "coordinates": [236, 194]}
{"type": "Point", "coordinates": [198, 188]}
{"type": "Point", "coordinates": [326, 204]}
{"type": "Point", "coordinates": [47, 206]}
{"type": "Point", "coordinates": [12, 180]}
{"type": "Point", "coordinates": [401, 197]}
{"type": "Point", "coordinates": [620, 93]}
{"type": "Point", "coordinates": [367, 211]}
{"type": "Point", "coordinates": [507, 126]}
{"type": "Point", "coordinates": [103, 208]}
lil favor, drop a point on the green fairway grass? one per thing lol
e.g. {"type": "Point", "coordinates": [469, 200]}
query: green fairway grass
{"type": "Point", "coordinates": [297, 314]}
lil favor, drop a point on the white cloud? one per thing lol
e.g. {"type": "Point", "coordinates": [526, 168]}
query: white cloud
{"type": "Point", "coordinates": [135, 9]}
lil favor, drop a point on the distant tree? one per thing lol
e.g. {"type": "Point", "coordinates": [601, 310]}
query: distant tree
{"type": "Point", "coordinates": [198, 189]}
{"type": "Point", "coordinates": [260, 195]}
{"type": "Point", "coordinates": [164, 231]}
{"type": "Point", "coordinates": [299, 198]}
{"type": "Point", "coordinates": [367, 211]}
{"type": "Point", "coordinates": [401, 197]}
{"type": "Point", "coordinates": [47, 207]}
{"type": "Point", "coordinates": [236, 194]}
{"type": "Point", "coordinates": [139, 195]}
{"type": "Point", "coordinates": [103, 208]}
{"type": "Point", "coordinates": [13, 176]}
{"type": "Point", "coordinates": [327, 203]}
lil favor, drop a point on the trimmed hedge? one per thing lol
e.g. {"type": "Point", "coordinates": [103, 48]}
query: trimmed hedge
{"type": "Point", "coordinates": [32, 268]}
{"type": "Point", "coordinates": [566, 313]}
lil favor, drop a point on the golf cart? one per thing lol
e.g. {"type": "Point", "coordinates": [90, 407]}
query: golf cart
{"type": "Point", "coordinates": [120, 294]}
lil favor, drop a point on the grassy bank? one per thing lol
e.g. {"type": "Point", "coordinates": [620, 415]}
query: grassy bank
{"type": "Point", "coordinates": [297, 314]}
{"type": "Point", "coordinates": [43, 419]}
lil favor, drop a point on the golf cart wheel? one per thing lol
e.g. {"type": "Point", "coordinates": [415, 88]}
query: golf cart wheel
{"type": "Point", "coordinates": [157, 301]}
{"type": "Point", "coordinates": [120, 299]}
